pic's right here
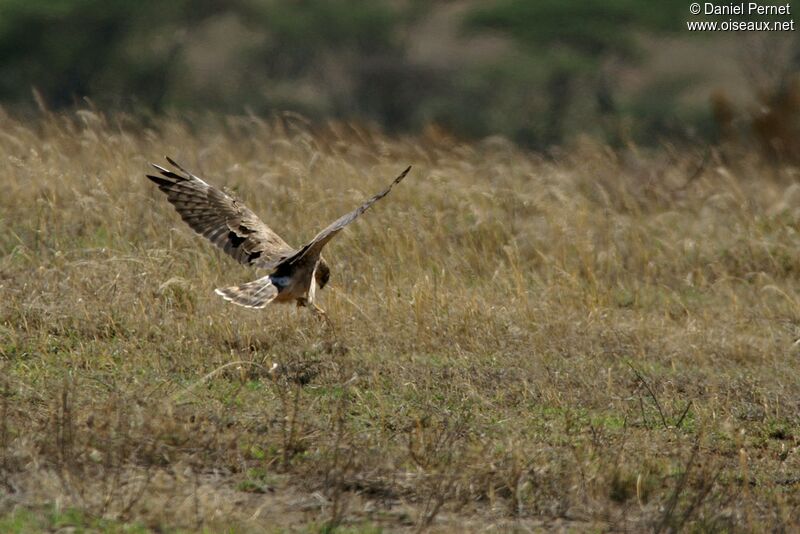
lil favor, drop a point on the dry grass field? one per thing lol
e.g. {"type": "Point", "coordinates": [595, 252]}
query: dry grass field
{"type": "Point", "coordinates": [590, 341]}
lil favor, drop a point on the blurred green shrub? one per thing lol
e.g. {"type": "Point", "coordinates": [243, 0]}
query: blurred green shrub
{"type": "Point", "coordinates": [566, 48]}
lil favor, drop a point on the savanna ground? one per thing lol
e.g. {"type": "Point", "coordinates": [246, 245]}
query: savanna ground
{"type": "Point", "coordinates": [593, 340]}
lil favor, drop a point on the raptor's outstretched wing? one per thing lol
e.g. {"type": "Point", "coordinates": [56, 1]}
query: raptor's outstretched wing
{"type": "Point", "coordinates": [224, 220]}
{"type": "Point", "coordinates": [314, 247]}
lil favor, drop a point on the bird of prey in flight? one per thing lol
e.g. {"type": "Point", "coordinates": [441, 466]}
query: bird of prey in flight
{"type": "Point", "coordinates": [294, 273]}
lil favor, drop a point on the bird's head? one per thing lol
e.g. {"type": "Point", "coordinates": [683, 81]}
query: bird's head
{"type": "Point", "coordinates": [323, 273]}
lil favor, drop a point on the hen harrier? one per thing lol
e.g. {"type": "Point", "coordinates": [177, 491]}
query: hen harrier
{"type": "Point", "coordinates": [294, 275]}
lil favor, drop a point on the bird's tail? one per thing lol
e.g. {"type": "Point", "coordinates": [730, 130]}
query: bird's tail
{"type": "Point", "coordinates": [255, 294]}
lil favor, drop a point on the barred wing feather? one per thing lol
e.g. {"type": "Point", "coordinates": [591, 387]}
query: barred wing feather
{"type": "Point", "coordinates": [221, 218]}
